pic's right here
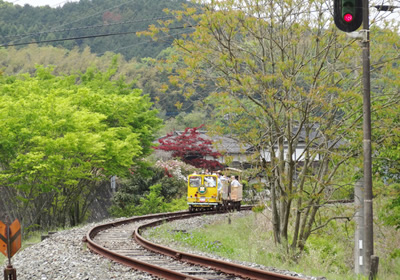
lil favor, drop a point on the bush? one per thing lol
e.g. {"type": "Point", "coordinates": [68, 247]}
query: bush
{"type": "Point", "coordinates": [390, 212]}
{"type": "Point", "coordinates": [143, 194]}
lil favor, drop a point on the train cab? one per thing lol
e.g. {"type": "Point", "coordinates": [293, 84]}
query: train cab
{"type": "Point", "coordinates": [203, 192]}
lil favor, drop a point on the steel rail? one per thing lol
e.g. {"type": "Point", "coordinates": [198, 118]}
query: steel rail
{"type": "Point", "coordinates": [131, 262]}
{"type": "Point", "coordinates": [222, 266]}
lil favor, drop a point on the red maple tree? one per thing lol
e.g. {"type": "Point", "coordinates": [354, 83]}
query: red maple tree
{"type": "Point", "coordinates": [191, 148]}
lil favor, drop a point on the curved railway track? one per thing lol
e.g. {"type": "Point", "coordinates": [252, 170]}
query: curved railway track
{"type": "Point", "coordinates": [122, 242]}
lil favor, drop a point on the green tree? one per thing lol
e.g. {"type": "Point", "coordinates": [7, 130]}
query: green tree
{"type": "Point", "coordinates": [386, 120]}
{"type": "Point", "coordinates": [281, 82]}
{"type": "Point", "coordinates": [61, 137]}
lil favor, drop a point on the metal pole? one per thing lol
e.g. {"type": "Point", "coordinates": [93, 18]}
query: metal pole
{"type": "Point", "coordinates": [368, 214]}
{"type": "Point", "coordinates": [9, 272]}
{"type": "Point", "coordinates": [8, 223]}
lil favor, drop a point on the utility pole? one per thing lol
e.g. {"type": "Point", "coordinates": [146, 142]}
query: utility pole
{"type": "Point", "coordinates": [348, 16]}
{"type": "Point", "coordinates": [371, 262]}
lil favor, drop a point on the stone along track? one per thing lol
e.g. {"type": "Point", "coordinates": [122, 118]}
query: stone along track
{"type": "Point", "coordinates": [122, 242]}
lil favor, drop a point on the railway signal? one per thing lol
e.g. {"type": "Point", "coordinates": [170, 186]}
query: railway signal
{"type": "Point", "coordinates": [348, 14]}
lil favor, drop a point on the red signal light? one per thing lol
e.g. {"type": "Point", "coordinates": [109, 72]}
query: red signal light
{"type": "Point", "coordinates": [348, 17]}
{"type": "Point", "coordinates": [348, 14]}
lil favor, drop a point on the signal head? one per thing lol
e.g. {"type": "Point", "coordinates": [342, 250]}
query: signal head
{"type": "Point", "coordinates": [348, 14]}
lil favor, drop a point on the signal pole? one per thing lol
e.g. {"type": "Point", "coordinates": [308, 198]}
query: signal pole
{"type": "Point", "coordinates": [371, 261]}
{"type": "Point", "coordinates": [348, 16]}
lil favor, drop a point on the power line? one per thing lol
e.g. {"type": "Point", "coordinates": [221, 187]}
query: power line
{"type": "Point", "coordinates": [81, 37]}
{"type": "Point", "coordinates": [92, 15]}
{"type": "Point", "coordinates": [54, 30]}
{"type": "Point", "coordinates": [84, 27]}
{"type": "Point", "coordinates": [67, 39]}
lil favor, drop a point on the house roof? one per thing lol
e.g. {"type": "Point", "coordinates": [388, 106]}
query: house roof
{"type": "Point", "coordinates": [223, 144]}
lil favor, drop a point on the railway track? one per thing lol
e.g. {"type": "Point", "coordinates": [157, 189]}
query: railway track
{"type": "Point", "coordinates": [122, 242]}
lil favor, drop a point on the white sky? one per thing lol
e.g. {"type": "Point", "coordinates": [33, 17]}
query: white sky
{"type": "Point", "coordinates": [36, 3]}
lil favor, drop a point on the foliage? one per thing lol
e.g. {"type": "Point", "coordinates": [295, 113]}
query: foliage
{"type": "Point", "coordinates": [154, 202]}
{"type": "Point", "coordinates": [185, 119]}
{"type": "Point", "coordinates": [177, 204]}
{"type": "Point", "coordinates": [277, 87]}
{"type": "Point", "coordinates": [282, 83]}
{"type": "Point", "coordinates": [22, 24]}
{"type": "Point", "coordinates": [190, 147]}
{"type": "Point", "coordinates": [71, 57]}
{"type": "Point", "coordinates": [390, 210]}
{"type": "Point", "coordinates": [62, 137]}
{"type": "Point", "coordinates": [386, 120]}
{"type": "Point", "coordinates": [137, 193]}
{"type": "Point", "coordinates": [151, 203]}
{"type": "Point", "coordinates": [147, 74]}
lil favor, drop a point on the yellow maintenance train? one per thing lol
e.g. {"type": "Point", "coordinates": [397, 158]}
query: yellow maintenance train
{"type": "Point", "coordinates": [213, 192]}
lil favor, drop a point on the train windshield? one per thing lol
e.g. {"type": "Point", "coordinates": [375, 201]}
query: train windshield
{"type": "Point", "coordinates": [210, 181]}
{"type": "Point", "coordinates": [194, 181]}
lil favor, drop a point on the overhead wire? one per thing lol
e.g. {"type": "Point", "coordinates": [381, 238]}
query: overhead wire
{"type": "Point", "coordinates": [85, 27]}
{"type": "Point", "coordinates": [26, 35]}
{"type": "Point", "coordinates": [54, 30]}
{"type": "Point", "coordinates": [87, 17]}
{"type": "Point", "coordinates": [81, 37]}
{"type": "Point", "coordinates": [20, 37]}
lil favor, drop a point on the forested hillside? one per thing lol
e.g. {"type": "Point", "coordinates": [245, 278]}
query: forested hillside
{"type": "Point", "coordinates": [33, 36]}
{"type": "Point", "coordinates": [85, 21]}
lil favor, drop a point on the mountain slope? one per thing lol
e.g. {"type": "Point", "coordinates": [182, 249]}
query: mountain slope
{"type": "Point", "coordinates": [95, 19]}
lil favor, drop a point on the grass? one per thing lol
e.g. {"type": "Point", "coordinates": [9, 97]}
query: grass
{"type": "Point", "coordinates": [328, 253]}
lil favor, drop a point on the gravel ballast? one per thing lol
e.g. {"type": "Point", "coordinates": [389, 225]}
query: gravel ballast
{"type": "Point", "coordinates": [65, 256]}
